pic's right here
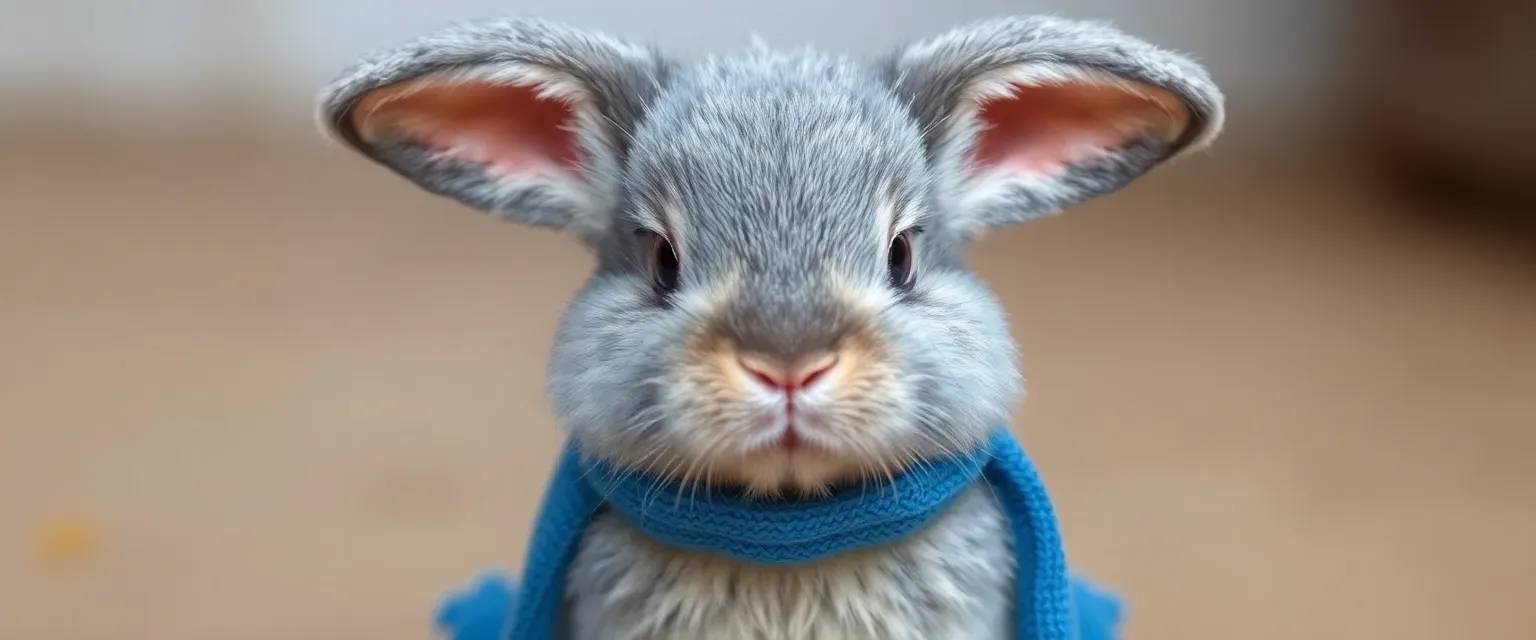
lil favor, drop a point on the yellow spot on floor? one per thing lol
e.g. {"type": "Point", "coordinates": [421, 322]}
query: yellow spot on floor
{"type": "Point", "coordinates": [67, 541]}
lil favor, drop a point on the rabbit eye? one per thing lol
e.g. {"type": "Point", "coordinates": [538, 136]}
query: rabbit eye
{"type": "Point", "coordinates": [663, 264]}
{"type": "Point", "coordinates": [899, 261]}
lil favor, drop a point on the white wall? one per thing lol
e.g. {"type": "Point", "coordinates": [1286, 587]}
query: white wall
{"type": "Point", "coordinates": [163, 58]}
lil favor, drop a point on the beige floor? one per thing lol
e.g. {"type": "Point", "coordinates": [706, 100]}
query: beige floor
{"type": "Point", "coordinates": [302, 399]}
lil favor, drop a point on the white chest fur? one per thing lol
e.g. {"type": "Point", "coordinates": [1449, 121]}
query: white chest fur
{"type": "Point", "coordinates": [951, 581]}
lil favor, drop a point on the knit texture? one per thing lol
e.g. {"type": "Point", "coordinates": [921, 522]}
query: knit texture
{"type": "Point", "coordinates": [1052, 604]}
{"type": "Point", "coordinates": [787, 532]}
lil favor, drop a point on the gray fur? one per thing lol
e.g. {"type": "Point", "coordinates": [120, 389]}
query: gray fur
{"type": "Point", "coordinates": [769, 170]}
{"type": "Point", "coordinates": [951, 580]}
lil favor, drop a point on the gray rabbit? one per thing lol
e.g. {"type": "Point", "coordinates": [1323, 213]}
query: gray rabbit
{"type": "Point", "coordinates": [780, 302]}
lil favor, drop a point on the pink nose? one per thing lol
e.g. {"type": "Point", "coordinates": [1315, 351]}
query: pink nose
{"type": "Point", "coordinates": [788, 375]}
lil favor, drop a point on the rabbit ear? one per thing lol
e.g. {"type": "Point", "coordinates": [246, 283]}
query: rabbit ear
{"type": "Point", "coordinates": [1026, 116]}
{"type": "Point", "coordinates": [523, 118]}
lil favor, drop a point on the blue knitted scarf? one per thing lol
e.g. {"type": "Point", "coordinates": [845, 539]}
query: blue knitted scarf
{"type": "Point", "coordinates": [1052, 604]}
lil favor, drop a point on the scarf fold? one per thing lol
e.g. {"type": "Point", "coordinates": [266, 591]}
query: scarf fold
{"type": "Point", "coordinates": [1051, 603]}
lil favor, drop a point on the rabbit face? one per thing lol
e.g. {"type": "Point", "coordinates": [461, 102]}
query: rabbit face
{"type": "Point", "coordinates": [780, 300]}
{"type": "Point", "coordinates": [784, 307]}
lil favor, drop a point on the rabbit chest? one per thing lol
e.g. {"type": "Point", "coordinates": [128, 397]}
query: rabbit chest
{"type": "Point", "coordinates": [952, 579]}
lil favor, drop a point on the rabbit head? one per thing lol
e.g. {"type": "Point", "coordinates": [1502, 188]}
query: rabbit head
{"type": "Point", "coordinates": [780, 300]}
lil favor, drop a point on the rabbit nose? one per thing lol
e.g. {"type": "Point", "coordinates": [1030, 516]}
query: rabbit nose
{"type": "Point", "coordinates": [787, 374]}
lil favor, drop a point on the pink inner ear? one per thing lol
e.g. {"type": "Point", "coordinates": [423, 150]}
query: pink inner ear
{"type": "Point", "coordinates": [508, 128]}
{"type": "Point", "coordinates": [1042, 129]}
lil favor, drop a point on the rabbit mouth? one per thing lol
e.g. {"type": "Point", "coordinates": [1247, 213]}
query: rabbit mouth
{"type": "Point", "coordinates": [791, 439]}
{"type": "Point", "coordinates": [792, 458]}
{"type": "Point", "coordinates": [787, 439]}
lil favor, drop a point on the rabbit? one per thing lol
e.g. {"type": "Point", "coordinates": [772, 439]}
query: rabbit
{"type": "Point", "coordinates": [780, 300]}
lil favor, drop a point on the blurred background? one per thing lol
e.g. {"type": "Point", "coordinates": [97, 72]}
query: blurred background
{"type": "Point", "coordinates": [253, 387]}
